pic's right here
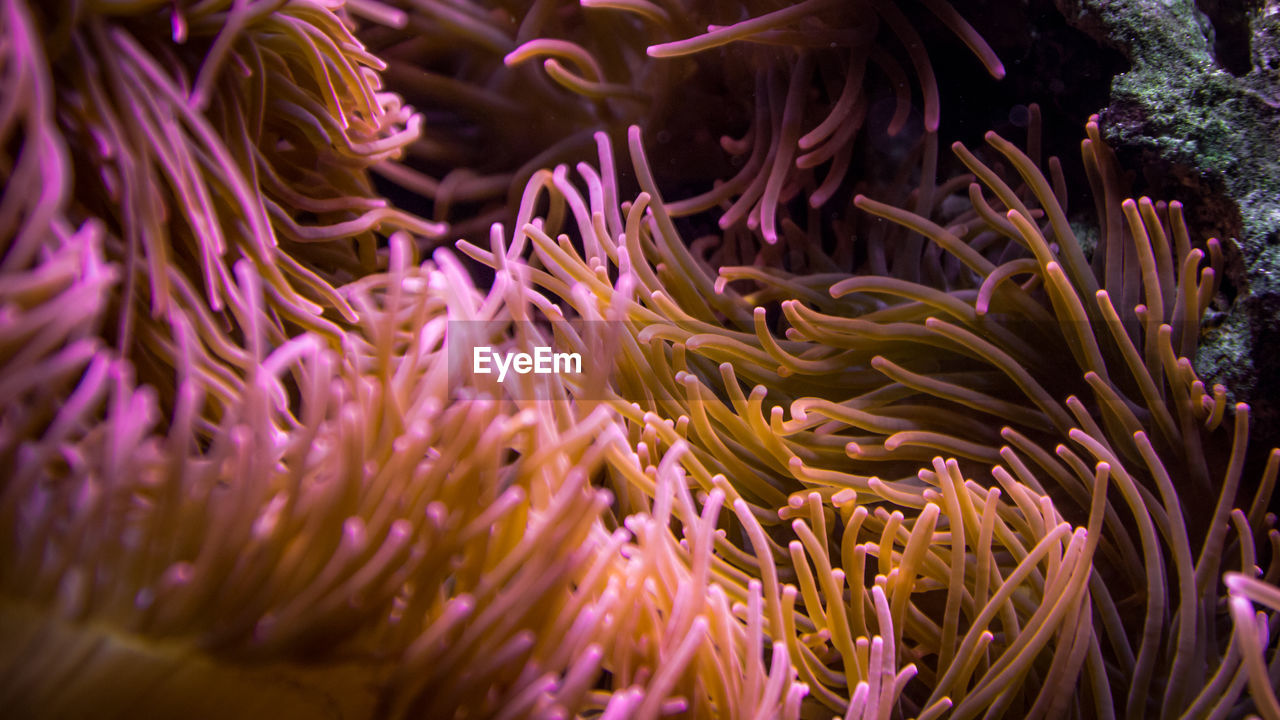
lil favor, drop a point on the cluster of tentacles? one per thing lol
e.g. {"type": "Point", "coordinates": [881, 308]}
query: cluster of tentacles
{"type": "Point", "coordinates": [861, 446]}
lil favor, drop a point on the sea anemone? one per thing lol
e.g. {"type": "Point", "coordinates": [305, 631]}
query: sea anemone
{"type": "Point", "coordinates": [524, 85]}
{"type": "Point", "coordinates": [1095, 416]}
{"type": "Point", "coordinates": [873, 444]}
{"type": "Point", "coordinates": [203, 136]}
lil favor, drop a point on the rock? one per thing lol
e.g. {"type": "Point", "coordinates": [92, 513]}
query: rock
{"type": "Point", "coordinates": [1199, 111]}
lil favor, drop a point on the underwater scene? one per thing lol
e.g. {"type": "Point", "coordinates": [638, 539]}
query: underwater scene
{"type": "Point", "coordinates": [471, 359]}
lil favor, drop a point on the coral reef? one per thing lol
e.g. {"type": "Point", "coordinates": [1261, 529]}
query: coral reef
{"type": "Point", "coordinates": [868, 429]}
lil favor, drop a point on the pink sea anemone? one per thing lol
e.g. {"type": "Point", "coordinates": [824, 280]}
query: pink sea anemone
{"type": "Point", "coordinates": [871, 447]}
